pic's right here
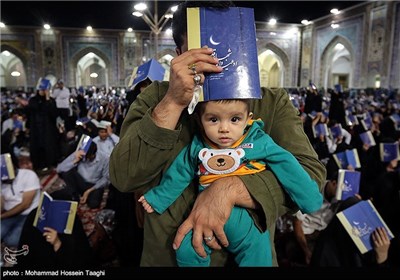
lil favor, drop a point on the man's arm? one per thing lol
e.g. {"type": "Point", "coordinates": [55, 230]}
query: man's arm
{"type": "Point", "coordinates": [27, 198]}
{"type": "Point", "coordinates": [151, 135]}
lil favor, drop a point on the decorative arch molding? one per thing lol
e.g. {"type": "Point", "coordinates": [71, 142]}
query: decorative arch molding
{"type": "Point", "coordinates": [395, 58]}
{"type": "Point", "coordinates": [78, 56]}
{"type": "Point", "coordinates": [326, 58]}
{"type": "Point", "coordinates": [24, 46]}
{"type": "Point", "coordinates": [353, 31]}
{"type": "Point", "coordinates": [16, 61]}
{"type": "Point", "coordinates": [284, 59]}
{"type": "Point", "coordinates": [164, 52]}
{"type": "Point", "coordinates": [16, 52]}
{"type": "Point", "coordinates": [74, 47]}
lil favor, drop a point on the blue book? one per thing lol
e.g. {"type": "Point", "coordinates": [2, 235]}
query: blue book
{"type": "Point", "coordinates": [82, 121]}
{"type": "Point", "coordinates": [57, 214]}
{"type": "Point", "coordinates": [338, 88]}
{"type": "Point", "coordinates": [336, 131]}
{"type": "Point", "coordinates": [43, 84]}
{"type": "Point", "coordinates": [152, 70]}
{"type": "Point", "coordinates": [396, 120]}
{"type": "Point", "coordinates": [389, 151]}
{"type": "Point", "coordinates": [368, 138]}
{"type": "Point", "coordinates": [366, 122]}
{"type": "Point", "coordinates": [360, 220]}
{"type": "Point", "coordinates": [7, 167]}
{"type": "Point", "coordinates": [348, 184]}
{"type": "Point", "coordinates": [351, 120]}
{"type": "Point", "coordinates": [231, 34]}
{"type": "Point", "coordinates": [320, 129]}
{"type": "Point", "coordinates": [346, 158]}
{"type": "Point", "coordinates": [313, 114]}
{"type": "Point", "coordinates": [84, 143]}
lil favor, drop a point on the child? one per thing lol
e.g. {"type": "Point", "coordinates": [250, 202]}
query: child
{"type": "Point", "coordinates": [232, 145]}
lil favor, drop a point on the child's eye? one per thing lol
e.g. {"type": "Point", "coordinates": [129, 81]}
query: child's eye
{"type": "Point", "coordinates": [213, 120]}
{"type": "Point", "coordinates": [235, 119]}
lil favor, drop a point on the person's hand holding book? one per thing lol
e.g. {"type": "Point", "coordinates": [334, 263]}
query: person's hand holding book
{"type": "Point", "coordinates": [79, 156]}
{"type": "Point", "coordinates": [381, 243]}
{"type": "Point", "coordinates": [51, 236]}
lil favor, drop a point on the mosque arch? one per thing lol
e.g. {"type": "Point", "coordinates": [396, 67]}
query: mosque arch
{"type": "Point", "coordinates": [87, 61]}
{"type": "Point", "coordinates": [337, 64]}
{"type": "Point", "coordinates": [273, 66]}
{"type": "Point", "coordinates": [12, 64]}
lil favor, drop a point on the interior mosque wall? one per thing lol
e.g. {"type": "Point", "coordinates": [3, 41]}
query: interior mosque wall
{"type": "Point", "coordinates": [291, 55]}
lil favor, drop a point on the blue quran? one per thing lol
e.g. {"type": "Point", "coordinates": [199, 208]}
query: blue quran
{"type": "Point", "coordinates": [231, 34]}
{"type": "Point", "coordinates": [57, 214]}
{"type": "Point", "coordinates": [320, 129]}
{"type": "Point", "coordinates": [360, 220]}
{"type": "Point", "coordinates": [346, 158]}
{"type": "Point", "coordinates": [151, 70]}
{"type": "Point", "coordinates": [389, 151]}
{"type": "Point", "coordinates": [7, 167]}
{"type": "Point", "coordinates": [348, 184]}
{"type": "Point", "coordinates": [368, 138]}
{"type": "Point", "coordinates": [336, 131]}
{"type": "Point", "coordinates": [84, 143]}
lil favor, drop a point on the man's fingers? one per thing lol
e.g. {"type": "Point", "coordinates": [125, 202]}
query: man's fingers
{"type": "Point", "coordinates": [180, 234]}
{"type": "Point", "coordinates": [198, 244]}
{"type": "Point", "coordinates": [220, 235]}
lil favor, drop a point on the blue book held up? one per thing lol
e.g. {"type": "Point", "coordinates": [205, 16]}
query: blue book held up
{"type": "Point", "coordinates": [231, 34]}
{"type": "Point", "coordinates": [320, 129]}
{"type": "Point", "coordinates": [152, 70]}
{"type": "Point", "coordinates": [396, 120]}
{"type": "Point", "coordinates": [389, 151]}
{"type": "Point", "coordinates": [84, 143]}
{"type": "Point", "coordinates": [57, 214]}
{"type": "Point", "coordinates": [346, 158]}
{"type": "Point", "coordinates": [360, 220]}
{"type": "Point", "coordinates": [336, 131]}
{"type": "Point", "coordinates": [368, 138]}
{"type": "Point", "coordinates": [348, 184]}
{"type": "Point", "coordinates": [351, 120]}
{"type": "Point", "coordinates": [43, 84]}
{"type": "Point", "coordinates": [366, 122]}
{"type": "Point", "coordinates": [7, 167]}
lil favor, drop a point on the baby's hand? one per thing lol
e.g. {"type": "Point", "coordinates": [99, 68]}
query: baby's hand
{"type": "Point", "coordinates": [146, 205]}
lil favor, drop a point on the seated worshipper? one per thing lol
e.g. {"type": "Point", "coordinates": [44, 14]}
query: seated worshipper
{"type": "Point", "coordinates": [106, 140]}
{"type": "Point", "coordinates": [85, 175]}
{"type": "Point", "coordinates": [50, 249]}
{"type": "Point", "coordinates": [20, 192]}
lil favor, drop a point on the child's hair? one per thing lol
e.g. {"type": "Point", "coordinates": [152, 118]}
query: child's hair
{"type": "Point", "coordinates": [200, 105]}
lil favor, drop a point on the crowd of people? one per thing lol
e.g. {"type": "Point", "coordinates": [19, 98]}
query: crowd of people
{"type": "Point", "coordinates": [135, 143]}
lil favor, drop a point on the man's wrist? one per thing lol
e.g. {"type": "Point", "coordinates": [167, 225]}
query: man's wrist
{"type": "Point", "coordinates": [167, 113]}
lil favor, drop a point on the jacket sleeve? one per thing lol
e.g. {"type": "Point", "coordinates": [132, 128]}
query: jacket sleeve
{"type": "Point", "coordinates": [301, 188]}
{"type": "Point", "coordinates": [283, 124]}
{"type": "Point", "coordinates": [174, 181]}
{"type": "Point", "coordinates": [144, 150]}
